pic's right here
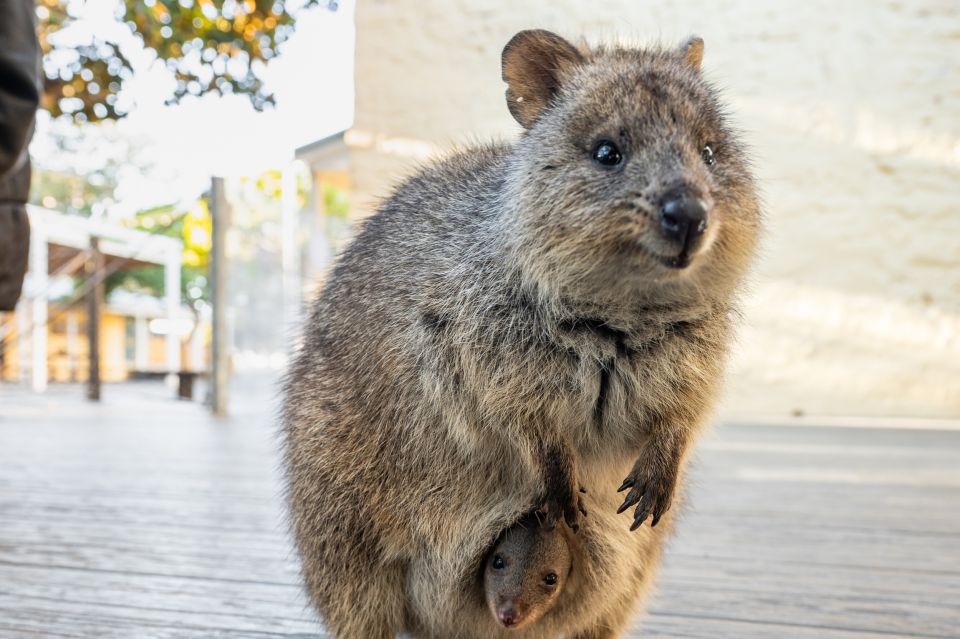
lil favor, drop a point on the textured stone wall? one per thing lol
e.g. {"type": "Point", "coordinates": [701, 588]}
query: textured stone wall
{"type": "Point", "coordinates": [853, 113]}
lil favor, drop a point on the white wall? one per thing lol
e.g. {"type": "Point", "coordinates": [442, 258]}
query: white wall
{"type": "Point", "coordinates": [853, 112]}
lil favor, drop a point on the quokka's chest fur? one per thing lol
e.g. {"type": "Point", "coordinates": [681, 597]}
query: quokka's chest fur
{"type": "Point", "coordinates": [604, 387]}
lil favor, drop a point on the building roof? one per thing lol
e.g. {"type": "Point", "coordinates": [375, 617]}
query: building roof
{"type": "Point", "coordinates": [67, 235]}
{"type": "Point", "coordinates": [329, 153]}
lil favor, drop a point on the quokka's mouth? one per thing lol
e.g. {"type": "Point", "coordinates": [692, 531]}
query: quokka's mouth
{"type": "Point", "coordinates": [677, 262]}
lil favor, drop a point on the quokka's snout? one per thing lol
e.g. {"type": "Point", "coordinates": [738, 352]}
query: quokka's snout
{"type": "Point", "coordinates": [684, 217]}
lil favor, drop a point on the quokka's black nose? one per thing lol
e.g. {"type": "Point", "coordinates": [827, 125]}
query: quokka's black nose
{"type": "Point", "coordinates": [683, 218]}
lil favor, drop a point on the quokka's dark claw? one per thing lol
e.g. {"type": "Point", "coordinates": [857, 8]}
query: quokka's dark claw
{"type": "Point", "coordinates": [627, 483]}
{"type": "Point", "coordinates": [656, 518]}
{"type": "Point", "coordinates": [583, 490]}
{"type": "Point", "coordinates": [632, 497]}
{"type": "Point", "coordinates": [638, 521]}
{"type": "Point", "coordinates": [643, 511]}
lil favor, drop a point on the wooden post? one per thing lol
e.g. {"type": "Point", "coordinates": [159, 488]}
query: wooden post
{"type": "Point", "coordinates": [220, 356]}
{"type": "Point", "coordinates": [72, 331]}
{"type": "Point", "coordinates": [93, 270]}
{"type": "Point", "coordinates": [39, 277]}
{"type": "Point", "coordinates": [171, 292]}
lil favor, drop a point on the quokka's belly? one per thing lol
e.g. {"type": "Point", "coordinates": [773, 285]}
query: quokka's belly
{"type": "Point", "coordinates": [612, 567]}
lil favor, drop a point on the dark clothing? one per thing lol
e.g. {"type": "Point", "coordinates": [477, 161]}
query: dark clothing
{"type": "Point", "coordinates": [14, 235]}
{"type": "Point", "coordinates": [19, 99]}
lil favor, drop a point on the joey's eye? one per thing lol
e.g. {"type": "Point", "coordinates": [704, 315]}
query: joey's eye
{"type": "Point", "coordinates": [707, 155]}
{"type": "Point", "coordinates": [550, 579]}
{"type": "Point", "coordinates": [606, 153]}
{"type": "Point", "coordinates": [498, 563]}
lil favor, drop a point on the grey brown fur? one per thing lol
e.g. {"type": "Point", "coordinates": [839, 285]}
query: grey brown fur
{"type": "Point", "coordinates": [514, 323]}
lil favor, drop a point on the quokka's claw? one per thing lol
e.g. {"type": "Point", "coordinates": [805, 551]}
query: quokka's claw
{"type": "Point", "coordinates": [632, 497]}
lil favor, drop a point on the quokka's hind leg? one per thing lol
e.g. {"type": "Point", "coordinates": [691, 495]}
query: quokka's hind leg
{"type": "Point", "coordinates": [359, 601]}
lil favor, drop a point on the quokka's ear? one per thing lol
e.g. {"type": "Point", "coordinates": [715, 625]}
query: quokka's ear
{"type": "Point", "coordinates": [692, 52]}
{"type": "Point", "coordinates": [534, 65]}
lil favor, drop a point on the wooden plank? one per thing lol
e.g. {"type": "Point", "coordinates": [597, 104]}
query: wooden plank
{"type": "Point", "coordinates": [661, 626]}
{"type": "Point", "coordinates": [172, 524]}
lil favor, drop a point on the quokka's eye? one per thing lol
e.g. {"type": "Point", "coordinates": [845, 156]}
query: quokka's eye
{"type": "Point", "coordinates": [707, 155]}
{"type": "Point", "coordinates": [498, 563]}
{"type": "Point", "coordinates": [550, 579]}
{"type": "Point", "coordinates": [606, 153]}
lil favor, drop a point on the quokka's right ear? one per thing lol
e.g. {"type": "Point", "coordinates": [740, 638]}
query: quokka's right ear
{"type": "Point", "coordinates": [692, 52]}
{"type": "Point", "coordinates": [534, 65]}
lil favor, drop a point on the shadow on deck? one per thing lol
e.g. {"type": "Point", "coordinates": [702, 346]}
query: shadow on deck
{"type": "Point", "coordinates": [144, 517]}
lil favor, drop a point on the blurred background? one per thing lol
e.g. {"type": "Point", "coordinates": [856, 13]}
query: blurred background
{"type": "Point", "coordinates": [197, 166]}
{"type": "Point", "coordinates": [852, 114]}
{"type": "Point", "coordinates": [850, 111]}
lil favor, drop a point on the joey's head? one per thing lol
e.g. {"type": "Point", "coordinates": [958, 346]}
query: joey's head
{"type": "Point", "coordinates": [627, 182]}
{"type": "Point", "coordinates": [525, 573]}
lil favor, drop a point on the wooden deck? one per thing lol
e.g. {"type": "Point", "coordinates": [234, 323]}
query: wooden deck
{"type": "Point", "coordinates": [145, 518]}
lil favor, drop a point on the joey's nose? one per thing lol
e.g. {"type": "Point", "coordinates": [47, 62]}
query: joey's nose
{"type": "Point", "coordinates": [683, 219]}
{"type": "Point", "coordinates": [508, 616]}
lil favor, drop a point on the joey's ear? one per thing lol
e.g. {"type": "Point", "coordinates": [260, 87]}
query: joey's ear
{"type": "Point", "coordinates": [534, 65]}
{"type": "Point", "coordinates": [692, 52]}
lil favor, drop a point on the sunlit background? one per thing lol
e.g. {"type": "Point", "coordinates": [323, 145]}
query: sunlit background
{"type": "Point", "coordinates": [146, 164]}
{"type": "Point", "coordinates": [850, 111]}
{"type": "Point", "coordinates": [198, 164]}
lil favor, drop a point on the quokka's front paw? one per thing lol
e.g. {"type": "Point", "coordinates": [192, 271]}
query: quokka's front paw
{"type": "Point", "coordinates": [653, 490]}
{"type": "Point", "coordinates": [566, 503]}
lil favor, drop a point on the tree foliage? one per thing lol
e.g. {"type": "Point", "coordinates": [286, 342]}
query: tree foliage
{"type": "Point", "coordinates": [210, 46]}
{"type": "Point", "coordinates": [194, 227]}
{"type": "Point", "coordinates": [70, 191]}
{"type": "Point", "coordinates": [79, 168]}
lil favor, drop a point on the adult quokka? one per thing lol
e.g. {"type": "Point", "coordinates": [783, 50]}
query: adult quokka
{"type": "Point", "coordinates": [515, 322]}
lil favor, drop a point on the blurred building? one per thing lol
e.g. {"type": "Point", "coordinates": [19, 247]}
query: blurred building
{"type": "Point", "coordinates": [325, 222]}
{"type": "Point", "coordinates": [852, 113]}
{"type": "Point", "coordinates": [132, 338]}
{"type": "Point", "coordinates": [46, 339]}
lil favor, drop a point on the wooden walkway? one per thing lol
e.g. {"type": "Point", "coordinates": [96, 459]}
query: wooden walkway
{"type": "Point", "coordinates": [142, 517]}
